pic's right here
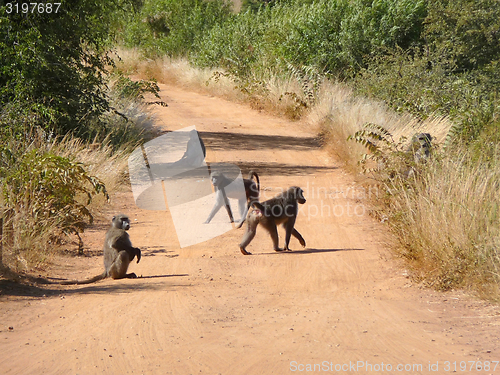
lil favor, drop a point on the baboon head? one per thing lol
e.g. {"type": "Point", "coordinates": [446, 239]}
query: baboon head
{"type": "Point", "coordinates": [421, 146]}
{"type": "Point", "coordinates": [121, 221]}
{"type": "Point", "coordinates": [215, 178]}
{"type": "Point", "coordinates": [298, 194]}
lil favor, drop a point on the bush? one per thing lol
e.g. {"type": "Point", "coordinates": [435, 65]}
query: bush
{"type": "Point", "coordinates": [455, 72]}
{"type": "Point", "coordinates": [53, 65]}
{"type": "Point", "coordinates": [468, 31]}
{"type": "Point", "coordinates": [56, 189]}
{"type": "Point", "coordinates": [333, 36]}
{"type": "Point", "coordinates": [172, 27]}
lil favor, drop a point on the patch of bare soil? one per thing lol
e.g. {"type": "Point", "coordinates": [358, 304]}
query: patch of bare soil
{"type": "Point", "coordinates": [341, 305]}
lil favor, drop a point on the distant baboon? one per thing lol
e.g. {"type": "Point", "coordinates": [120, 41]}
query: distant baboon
{"type": "Point", "coordinates": [118, 253]}
{"type": "Point", "coordinates": [420, 147]}
{"type": "Point", "coordinates": [420, 150]}
{"type": "Point", "coordinates": [224, 189]}
{"type": "Point", "coordinates": [282, 209]}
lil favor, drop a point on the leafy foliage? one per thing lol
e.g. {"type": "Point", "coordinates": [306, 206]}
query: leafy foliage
{"type": "Point", "coordinates": [53, 65]}
{"type": "Point", "coordinates": [333, 36]}
{"type": "Point", "coordinates": [53, 187]}
{"type": "Point", "coordinates": [466, 30]}
{"type": "Point", "coordinates": [452, 71]}
{"type": "Point", "coordinates": [386, 157]}
{"type": "Point", "coordinates": [172, 27]}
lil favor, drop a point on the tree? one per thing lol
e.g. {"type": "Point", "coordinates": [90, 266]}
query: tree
{"type": "Point", "coordinates": [53, 61]}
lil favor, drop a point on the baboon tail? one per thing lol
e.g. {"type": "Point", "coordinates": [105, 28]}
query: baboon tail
{"type": "Point", "coordinates": [255, 204]}
{"type": "Point", "coordinates": [86, 281]}
{"type": "Point", "coordinates": [240, 224]}
{"type": "Point", "coordinates": [258, 205]}
{"type": "Point", "coordinates": [254, 174]}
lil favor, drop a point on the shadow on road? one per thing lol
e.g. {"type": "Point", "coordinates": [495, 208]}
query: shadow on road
{"type": "Point", "coordinates": [236, 141]}
{"type": "Point", "coordinates": [280, 169]}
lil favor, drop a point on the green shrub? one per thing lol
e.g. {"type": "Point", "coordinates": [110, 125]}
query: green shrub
{"type": "Point", "coordinates": [172, 27]}
{"type": "Point", "coordinates": [53, 65]}
{"type": "Point", "coordinates": [233, 45]}
{"type": "Point", "coordinates": [333, 36]}
{"type": "Point", "coordinates": [468, 31]}
{"type": "Point", "coordinates": [54, 187]}
{"type": "Point", "coordinates": [454, 72]}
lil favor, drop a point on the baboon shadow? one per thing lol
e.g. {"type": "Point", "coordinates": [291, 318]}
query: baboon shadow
{"type": "Point", "coordinates": [311, 251]}
{"type": "Point", "coordinates": [125, 286]}
{"type": "Point", "coordinates": [16, 289]}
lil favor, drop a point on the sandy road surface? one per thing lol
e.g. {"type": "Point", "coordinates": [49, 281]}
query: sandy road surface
{"type": "Point", "coordinates": [339, 306]}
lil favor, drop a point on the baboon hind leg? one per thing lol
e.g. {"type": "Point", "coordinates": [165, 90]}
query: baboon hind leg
{"type": "Point", "coordinates": [118, 269]}
{"type": "Point", "coordinates": [298, 236]}
{"type": "Point", "coordinates": [248, 237]}
{"type": "Point", "coordinates": [273, 232]}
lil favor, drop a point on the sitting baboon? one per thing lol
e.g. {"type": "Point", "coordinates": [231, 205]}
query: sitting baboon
{"type": "Point", "coordinates": [419, 150]}
{"type": "Point", "coordinates": [118, 253]}
{"type": "Point", "coordinates": [224, 190]}
{"type": "Point", "coordinates": [420, 147]}
{"type": "Point", "coordinates": [282, 209]}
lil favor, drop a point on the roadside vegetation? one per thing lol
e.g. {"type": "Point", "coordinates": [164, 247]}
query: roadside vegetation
{"type": "Point", "coordinates": [66, 126]}
{"type": "Point", "coordinates": [367, 75]}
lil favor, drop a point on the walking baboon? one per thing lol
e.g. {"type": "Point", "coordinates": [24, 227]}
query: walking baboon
{"type": "Point", "coordinates": [282, 209]}
{"type": "Point", "coordinates": [224, 189]}
{"type": "Point", "coordinates": [118, 253]}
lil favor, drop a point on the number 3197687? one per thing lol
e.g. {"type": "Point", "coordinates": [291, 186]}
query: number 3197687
{"type": "Point", "coordinates": [32, 7]}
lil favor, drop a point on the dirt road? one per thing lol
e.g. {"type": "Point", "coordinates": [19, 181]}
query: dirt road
{"type": "Point", "coordinates": [339, 306]}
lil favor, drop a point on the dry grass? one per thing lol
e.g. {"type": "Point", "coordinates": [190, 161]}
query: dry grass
{"type": "Point", "coordinates": [175, 71]}
{"type": "Point", "coordinates": [99, 160]}
{"type": "Point", "coordinates": [447, 224]}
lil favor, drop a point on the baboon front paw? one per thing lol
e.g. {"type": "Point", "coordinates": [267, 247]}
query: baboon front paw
{"type": "Point", "coordinates": [303, 243]}
{"type": "Point", "coordinates": [279, 249]}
